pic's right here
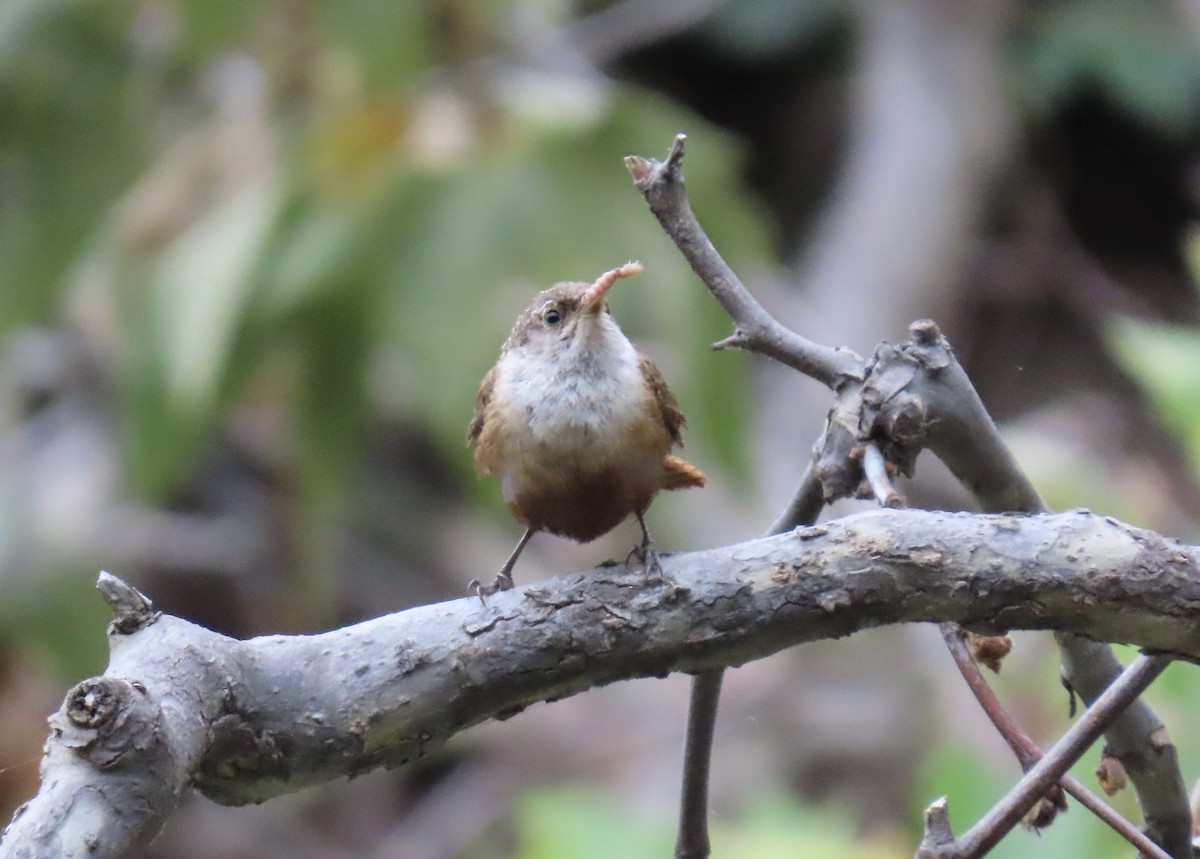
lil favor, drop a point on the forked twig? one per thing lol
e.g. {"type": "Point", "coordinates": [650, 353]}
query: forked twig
{"type": "Point", "coordinates": [1028, 753]}
{"type": "Point", "coordinates": [1003, 816]}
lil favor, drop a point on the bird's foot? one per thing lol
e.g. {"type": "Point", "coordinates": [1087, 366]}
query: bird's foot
{"type": "Point", "coordinates": [502, 582]}
{"type": "Point", "coordinates": [645, 554]}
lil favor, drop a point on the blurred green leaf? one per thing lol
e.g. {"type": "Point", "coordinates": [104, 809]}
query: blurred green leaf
{"type": "Point", "coordinates": [63, 619]}
{"type": "Point", "coordinates": [390, 41]}
{"type": "Point", "coordinates": [1136, 50]}
{"type": "Point", "coordinates": [585, 824]}
{"type": "Point", "coordinates": [575, 823]}
{"type": "Point", "coordinates": [69, 144]}
{"type": "Point", "coordinates": [209, 26]}
{"type": "Point", "coordinates": [200, 289]}
{"type": "Point", "coordinates": [1163, 358]}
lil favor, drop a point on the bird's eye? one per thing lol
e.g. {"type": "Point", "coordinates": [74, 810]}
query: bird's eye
{"type": "Point", "coordinates": [552, 316]}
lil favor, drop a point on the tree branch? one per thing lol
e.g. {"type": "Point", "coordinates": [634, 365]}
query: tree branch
{"type": "Point", "coordinates": [243, 721]}
{"type": "Point", "coordinates": [908, 398]}
{"type": "Point", "coordinates": [917, 396]}
{"type": "Point", "coordinates": [1027, 751]}
{"type": "Point", "coordinates": [692, 840]}
{"type": "Point", "coordinates": [661, 183]}
{"type": "Point", "coordinates": [1004, 816]}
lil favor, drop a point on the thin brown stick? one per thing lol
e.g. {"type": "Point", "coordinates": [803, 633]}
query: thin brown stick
{"type": "Point", "coordinates": [1027, 751]}
{"type": "Point", "coordinates": [661, 183]}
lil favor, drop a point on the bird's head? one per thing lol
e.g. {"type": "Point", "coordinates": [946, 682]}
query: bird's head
{"type": "Point", "coordinates": [569, 315]}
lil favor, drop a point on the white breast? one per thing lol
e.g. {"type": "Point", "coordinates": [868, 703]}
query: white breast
{"type": "Point", "coordinates": [570, 400]}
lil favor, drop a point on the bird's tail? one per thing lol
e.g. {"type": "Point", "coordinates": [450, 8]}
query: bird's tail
{"type": "Point", "coordinates": [681, 474]}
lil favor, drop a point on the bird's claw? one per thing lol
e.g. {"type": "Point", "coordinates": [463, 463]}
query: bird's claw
{"type": "Point", "coordinates": [647, 556]}
{"type": "Point", "coordinates": [502, 582]}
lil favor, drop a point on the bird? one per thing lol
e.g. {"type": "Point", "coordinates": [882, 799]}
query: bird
{"type": "Point", "coordinates": [577, 424]}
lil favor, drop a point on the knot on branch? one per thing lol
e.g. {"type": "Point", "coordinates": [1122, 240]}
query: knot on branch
{"type": "Point", "coordinates": [889, 408]}
{"type": "Point", "coordinates": [1110, 773]}
{"type": "Point", "coordinates": [95, 702]}
{"type": "Point", "coordinates": [108, 721]}
{"type": "Point", "coordinates": [132, 610]}
{"type": "Point", "coordinates": [925, 332]}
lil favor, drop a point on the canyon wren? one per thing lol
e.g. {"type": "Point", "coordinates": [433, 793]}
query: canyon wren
{"type": "Point", "coordinates": [576, 423]}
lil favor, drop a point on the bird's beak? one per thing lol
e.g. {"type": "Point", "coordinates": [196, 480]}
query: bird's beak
{"type": "Point", "coordinates": [593, 299]}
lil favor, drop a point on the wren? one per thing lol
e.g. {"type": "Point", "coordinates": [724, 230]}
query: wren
{"type": "Point", "coordinates": [576, 423]}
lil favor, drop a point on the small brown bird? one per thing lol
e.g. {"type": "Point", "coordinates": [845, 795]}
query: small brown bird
{"type": "Point", "coordinates": [576, 423]}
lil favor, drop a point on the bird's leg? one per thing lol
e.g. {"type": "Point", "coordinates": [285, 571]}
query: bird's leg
{"type": "Point", "coordinates": [503, 580]}
{"type": "Point", "coordinates": [646, 553]}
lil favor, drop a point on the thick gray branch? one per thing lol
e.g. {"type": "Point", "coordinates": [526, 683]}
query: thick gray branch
{"type": "Point", "coordinates": [244, 721]}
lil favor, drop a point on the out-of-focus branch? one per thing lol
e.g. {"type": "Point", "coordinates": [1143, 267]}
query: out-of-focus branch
{"type": "Point", "coordinates": [691, 842]}
{"type": "Point", "coordinates": [932, 126]}
{"type": "Point", "coordinates": [628, 25]}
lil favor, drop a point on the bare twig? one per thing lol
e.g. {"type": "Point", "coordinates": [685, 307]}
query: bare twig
{"type": "Point", "coordinates": [692, 841]}
{"type": "Point", "coordinates": [661, 183]}
{"type": "Point", "coordinates": [1027, 751]}
{"type": "Point", "coordinates": [805, 506]}
{"type": "Point", "coordinates": [1007, 813]}
{"type": "Point", "coordinates": [875, 470]}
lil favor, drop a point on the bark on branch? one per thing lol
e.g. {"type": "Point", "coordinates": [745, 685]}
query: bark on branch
{"type": "Point", "coordinates": [243, 721]}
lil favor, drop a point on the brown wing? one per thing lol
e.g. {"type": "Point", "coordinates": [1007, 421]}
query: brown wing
{"type": "Point", "coordinates": [672, 418]}
{"type": "Point", "coordinates": [483, 400]}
